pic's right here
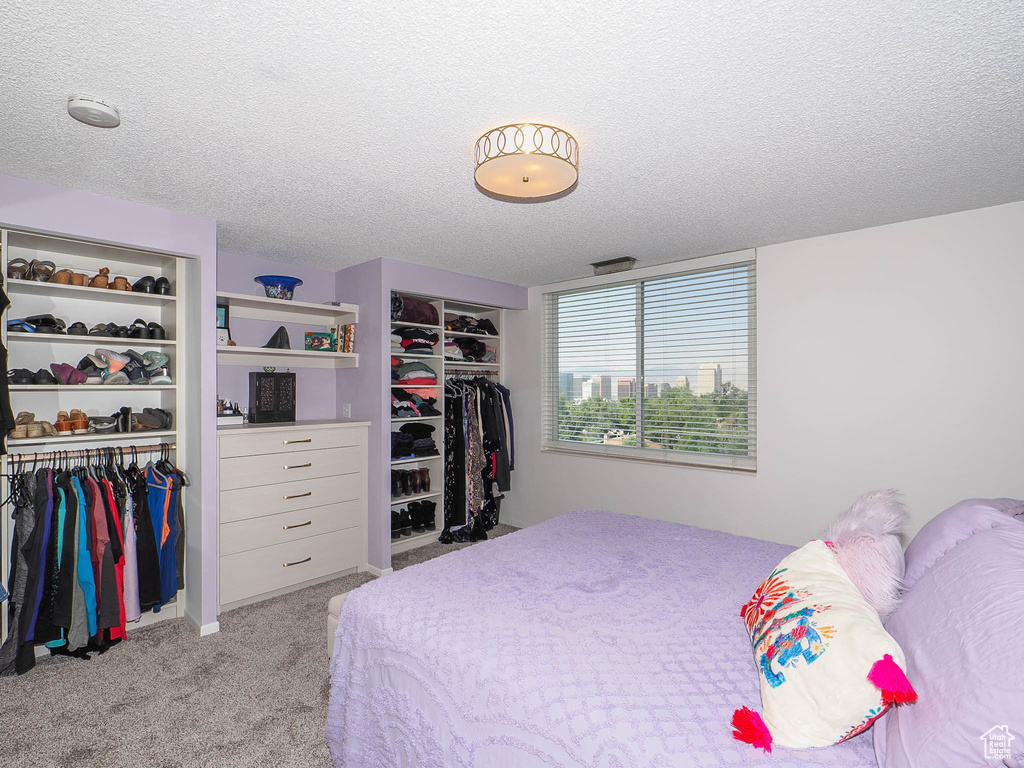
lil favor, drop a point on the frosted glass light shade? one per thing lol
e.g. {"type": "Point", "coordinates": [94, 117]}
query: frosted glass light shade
{"type": "Point", "coordinates": [527, 160]}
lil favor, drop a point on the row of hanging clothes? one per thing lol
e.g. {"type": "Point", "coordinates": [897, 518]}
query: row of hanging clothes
{"type": "Point", "coordinates": [479, 455]}
{"type": "Point", "coordinates": [97, 543]}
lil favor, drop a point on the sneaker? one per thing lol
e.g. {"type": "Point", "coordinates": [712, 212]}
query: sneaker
{"type": "Point", "coordinates": [159, 376]}
{"type": "Point", "coordinates": [93, 375]}
{"type": "Point", "coordinates": [115, 360]}
{"type": "Point", "coordinates": [155, 360]}
{"type": "Point", "coordinates": [135, 370]}
{"type": "Point", "coordinates": [115, 378]}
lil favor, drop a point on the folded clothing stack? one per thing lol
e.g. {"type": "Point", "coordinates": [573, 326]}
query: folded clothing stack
{"type": "Point", "coordinates": [406, 404]}
{"type": "Point", "coordinates": [469, 324]}
{"type": "Point", "coordinates": [418, 340]}
{"type": "Point", "coordinates": [470, 350]}
{"type": "Point", "coordinates": [408, 310]}
{"type": "Point", "coordinates": [413, 440]}
{"type": "Point", "coordinates": [412, 373]}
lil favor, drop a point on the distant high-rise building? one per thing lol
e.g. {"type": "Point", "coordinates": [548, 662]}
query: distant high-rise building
{"type": "Point", "coordinates": [709, 378]}
{"type": "Point", "coordinates": [664, 386]}
{"type": "Point", "coordinates": [626, 388]}
{"type": "Point", "coordinates": [586, 389]}
{"type": "Point", "coordinates": [602, 386]}
{"type": "Point", "coordinates": [683, 382]}
{"type": "Point", "coordinates": [565, 384]}
{"type": "Point", "coordinates": [651, 389]}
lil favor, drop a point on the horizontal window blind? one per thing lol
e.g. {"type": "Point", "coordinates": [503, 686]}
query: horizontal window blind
{"type": "Point", "coordinates": [659, 369]}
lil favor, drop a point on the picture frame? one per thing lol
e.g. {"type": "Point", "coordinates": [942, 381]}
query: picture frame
{"type": "Point", "coordinates": [223, 315]}
{"type": "Point", "coordinates": [223, 337]}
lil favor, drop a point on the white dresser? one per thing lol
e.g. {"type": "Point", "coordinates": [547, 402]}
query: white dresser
{"type": "Point", "coordinates": [292, 506]}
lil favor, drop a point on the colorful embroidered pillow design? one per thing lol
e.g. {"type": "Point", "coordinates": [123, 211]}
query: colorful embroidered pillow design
{"type": "Point", "coordinates": [828, 669]}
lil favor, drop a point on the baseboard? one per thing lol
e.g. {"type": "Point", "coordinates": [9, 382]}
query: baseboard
{"type": "Point", "coordinates": [209, 629]}
{"type": "Point", "coordinates": [375, 571]}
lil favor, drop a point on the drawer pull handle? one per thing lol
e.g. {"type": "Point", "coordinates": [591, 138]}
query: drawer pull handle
{"type": "Point", "coordinates": [298, 495]}
{"type": "Point", "coordinates": [289, 442]}
{"type": "Point", "coordinates": [298, 525]}
{"type": "Point", "coordinates": [299, 562]}
{"type": "Point", "coordinates": [298, 466]}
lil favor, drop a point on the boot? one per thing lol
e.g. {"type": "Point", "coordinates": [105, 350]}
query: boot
{"type": "Point", "coordinates": [396, 484]}
{"type": "Point", "coordinates": [414, 482]}
{"type": "Point", "coordinates": [427, 509]}
{"type": "Point", "coordinates": [406, 482]}
{"type": "Point", "coordinates": [396, 525]}
{"type": "Point", "coordinates": [425, 480]}
{"type": "Point", "coordinates": [416, 516]}
{"type": "Point", "coordinates": [406, 523]}
{"type": "Point", "coordinates": [279, 340]}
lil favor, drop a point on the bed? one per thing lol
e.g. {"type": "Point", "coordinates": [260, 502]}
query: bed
{"type": "Point", "coordinates": [593, 639]}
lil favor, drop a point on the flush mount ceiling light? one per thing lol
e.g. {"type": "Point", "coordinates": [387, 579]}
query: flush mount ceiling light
{"type": "Point", "coordinates": [92, 111]}
{"type": "Point", "coordinates": [527, 160]}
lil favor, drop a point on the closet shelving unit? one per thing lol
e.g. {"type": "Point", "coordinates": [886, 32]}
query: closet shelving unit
{"type": "Point", "coordinates": [91, 306]}
{"type": "Point", "coordinates": [442, 368]}
{"type": "Point", "coordinates": [298, 312]}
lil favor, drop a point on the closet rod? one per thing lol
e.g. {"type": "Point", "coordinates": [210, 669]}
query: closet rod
{"type": "Point", "coordinates": [87, 452]}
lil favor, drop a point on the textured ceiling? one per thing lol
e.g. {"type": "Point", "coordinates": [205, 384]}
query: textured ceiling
{"type": "Point", "coordinates": [330, 133]}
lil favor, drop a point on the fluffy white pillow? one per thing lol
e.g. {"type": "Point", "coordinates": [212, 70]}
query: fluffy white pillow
{"type": "Point", "coordinates": [828, 669]}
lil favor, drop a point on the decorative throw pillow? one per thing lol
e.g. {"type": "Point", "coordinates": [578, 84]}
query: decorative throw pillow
{"type": "Point", "coordinates": [828, 669]}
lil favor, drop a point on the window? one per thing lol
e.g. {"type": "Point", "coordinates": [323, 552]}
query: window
{"type": "Point", "coordinates": [660, 369]}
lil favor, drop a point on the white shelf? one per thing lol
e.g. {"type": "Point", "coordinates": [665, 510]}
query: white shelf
{"type": "Point", "coordinates": [403, 324]}
{"type": "Point", "coordinates": [407, 499]}
{"type": "Point", "coordinates": [413, 386]}
{"type": "Point", "coordinates": [400, 420]}
{"type": "Point", "coordinates": [412, 542]}
{"type": "Point", "coordinates": [59, 290]}
{"type": "Point", "coordinates": [416, 356]}
{"type": "Point", "coordinates": [90, 387]}
{"type": "Point", "coordinates": [458, 365]}
{"type": "Point", "coordinates": [13, 445]}
{"type": "Point", "coordinates": [466, 335]}
{"type": "Point", "coordinates": [400, 462]}
{"type": "Point", "coordinates": [92, 341]}
{"type": "Point", "coordinates": [258, 357]}
{"type": "Point", "coordinates": [302, 312]}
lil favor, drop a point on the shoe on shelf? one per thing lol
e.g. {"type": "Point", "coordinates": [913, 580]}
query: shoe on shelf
{"type": "Point", "coordinates": [406, 521]}
{"type": "Point", "coordinates": [156, 331]}
{"type": "Point", "coordinates": [78, 329]}
{"type": "Point", "coordinates": [144, 284]}
{"type": "Point", "coordinates": [162, 286]}
{"type": "Point", "coordinates": [143, 421]}
{"type": "Point", "coordinates": [396, 484]}
{"type": "Point", "coordinates": [19, 376]}
{"type": "Point", "coordinates": [79, 422]}
{"type": "Point", "coordinates": [61, 277]}
{"type": "Point", "coordinates": [17, 269]}
{"type": "Point", "coordinates": [120, 284]}
{"type": "Point", "coordinates": [40, 271]}
{"type": "Point", "coordinates": [103, 424]}
{"type": "Point", "coordinates": [67, 374]}
{"type": "Point", "coordinates": [165, 420]}
{"type": "Point", "coordinates": [63, 424]}
{"type": "Point", "coordinates": [115, 360]}
{"type": "Point", "coordinates": [138, 329]}
{"type": "Point", "coordinates": [44, 378]}
{"type": "Point", "coordinates": [124, 419]}
{"type": "Point", "coordinates": [135, 370]}
{"type": "Point", "coordinates": [427, 508]}
{"type": "Point", "coordinates": [93, 374]}
{"type": "Point", "coordinates": [396, 525]}
{"type": "Point", "coordinates": [42, 429]}
{"type": "Point", "coordinates": [79, 278]}
{"type": "Point", "coordinates": [100, 329]}
{"type": "Point", "coordinates": [47, 324]}
{"type": "Point", "coordinates": [155, 360]}
{"type": "Point", "coordinates": [159, 376]}
{"type": "Point", "coordinates": [102, 279]}
{"type": "Point", "coordinates": [117, 378]}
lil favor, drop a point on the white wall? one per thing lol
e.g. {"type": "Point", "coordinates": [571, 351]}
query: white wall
{"type": "Point", "coordinates": [887, 357]}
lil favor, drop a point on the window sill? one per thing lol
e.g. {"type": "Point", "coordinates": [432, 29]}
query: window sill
{"type": "Point", "coordinates": [726, 465]}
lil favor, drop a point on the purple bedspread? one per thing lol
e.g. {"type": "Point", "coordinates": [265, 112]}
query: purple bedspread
{"type": "Point", "coordinates": [594, 639]}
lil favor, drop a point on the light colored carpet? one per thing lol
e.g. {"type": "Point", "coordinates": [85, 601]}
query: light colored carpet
{"type": "Point", "coordinates": [253, 694]}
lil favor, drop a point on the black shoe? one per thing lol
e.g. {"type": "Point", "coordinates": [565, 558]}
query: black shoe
{"type": "Point", "coordinates": [19, 376]}
{"type": "Point", "coordinates": [78, 329]}
{"type": "Point", "coordinates": [166, 420]}
{"type": "Point", "coordinates": [46, 324]}
{"type": "Point", "coordinates": [135, 370]}
{"type": "Point", "coordinates": [279, 340]}
{"type": "Point", "coordinates": [162, 286]}
{"type": "Point", "coordinates": [138, 329]}
{"type": "Point", "coordinates": [396, 525]}
{"type": "Point", "coordinates": [156, 331]}
{"type": "Point", "coordinates": [406, 523]}
{"type": "Point", "coordinates": [93, 374]}
{"type": "Point", "coordinates": [427, 509]}
{"type": "Point", "coordinates": [406, 482]}
{"type": "Point", "coordinates": [44, 378]}
{"type": "Point", "coordinates": [396, 484]}
{"type": "Point", "coordinates": [101, 329]}
{"type": "Point", "coordinates": [144, 285]}
{"type": "Point", "coordinates": [416, 516]}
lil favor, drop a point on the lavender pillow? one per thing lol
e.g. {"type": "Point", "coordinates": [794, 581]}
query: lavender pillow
{"type": "Point", "coordinates": [946, 530]}
{"type": "Point", "coordinates": [960, 628]}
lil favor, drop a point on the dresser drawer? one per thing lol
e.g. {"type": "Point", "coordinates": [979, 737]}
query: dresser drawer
{"type": "Point", "coordinates": [288, 526]}
{"type": "Point", "coordinates": [250, 471]}
{"type": "Point", "coordinates": [259, 500]}
{"type": "Point", "coordinates": [262, 570]}
{"type": "Point", "coordinates": [275, 440]}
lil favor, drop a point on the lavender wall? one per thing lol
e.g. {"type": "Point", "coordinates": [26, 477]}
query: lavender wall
{"type": "Point", "coordinates": [316, 387]}
{"type": "Point", "coordinates": [29, 205]}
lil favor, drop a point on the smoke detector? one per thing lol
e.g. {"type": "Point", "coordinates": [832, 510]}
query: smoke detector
{"type": "Point", "coordinates": [92, 111]}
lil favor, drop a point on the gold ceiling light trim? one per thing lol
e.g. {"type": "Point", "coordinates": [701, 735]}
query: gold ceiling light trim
{"type": "Point", "coordinates": [527, 160]}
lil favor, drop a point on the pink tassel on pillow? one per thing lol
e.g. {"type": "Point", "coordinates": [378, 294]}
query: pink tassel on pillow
{"type": "Point", "coordinates": [750, 728]}
{"type": "Point", "coordinates": [887, 677]}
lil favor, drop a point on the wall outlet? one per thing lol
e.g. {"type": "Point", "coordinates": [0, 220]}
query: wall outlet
{"type": "Point", "coordinates": [346, 410]}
